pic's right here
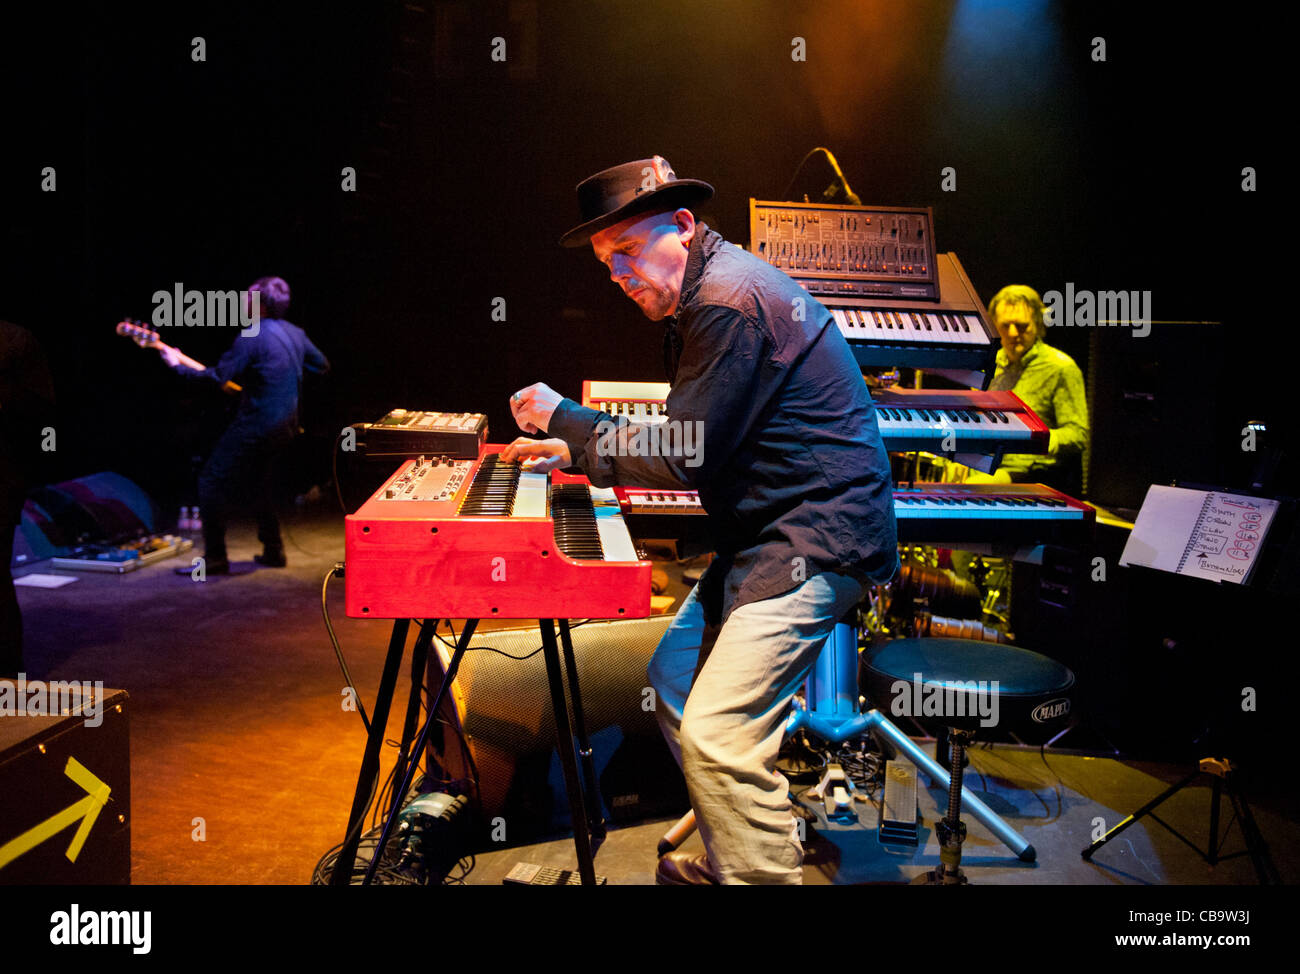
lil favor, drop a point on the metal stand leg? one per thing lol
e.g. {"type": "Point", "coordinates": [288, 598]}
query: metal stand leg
{"type": "Point", "coordinates": [419, 660]}
{"type": "Point", "coordinates": [1009, 836]}
{"type": "Point", "coordinates": [1012, 839]}
{"type": "Point", "coordinates": [832, 714]}
{"type": "Point", "coordinates": [1255, 844]}
{"type": "Point", "coordinates": [831, 691]}
{"type": "Point", "coordinates": [1222, 772]}
{"type": "Point", "coordinates": [564, 744]}
{"type": "Point", "coordinates": [951, 830]}
{"type": "Point", "coordinates": [1144, 810]}
{"type": "Point", "coordinates": [401, 789]}
{"type": "Point", "coordinates": [366, 778]}
{"type": "Point", "coordinates": [591, 784]}
{"type": "Point", "coordinates": [679, 833]}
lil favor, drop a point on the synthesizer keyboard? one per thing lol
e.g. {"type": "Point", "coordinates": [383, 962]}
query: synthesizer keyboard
{"type": "Point", "coordinates": [975, 422]}
{"type": "Point", "coordinates": [455, 538]}
{"type": "Point", "coordinates": [998, 513]}
{"type": "Point", "coordinates": [973, 427]}
{"type": "Point", "coordinates": [640, 402]}
{"type": "Point", "coordinates": [1020, 514]}
{"type": "Point", "coordinates": [894, 297]}
{"type": "Point", "coordinates": [950, 337]}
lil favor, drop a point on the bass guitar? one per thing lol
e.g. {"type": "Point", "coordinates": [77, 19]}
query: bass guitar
{"type": "Point", "coordinates": [148, 338]}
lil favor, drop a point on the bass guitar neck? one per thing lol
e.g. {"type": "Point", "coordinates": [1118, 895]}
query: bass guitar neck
{"type": "Point", "coordinates": [148, 338]}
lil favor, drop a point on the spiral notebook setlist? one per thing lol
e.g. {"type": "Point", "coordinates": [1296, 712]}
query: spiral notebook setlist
{"type": "Point", "coordinates": [1206, 534]}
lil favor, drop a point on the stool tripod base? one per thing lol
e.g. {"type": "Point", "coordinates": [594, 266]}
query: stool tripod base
{"type": "Point", "coordinates": [941, 877]}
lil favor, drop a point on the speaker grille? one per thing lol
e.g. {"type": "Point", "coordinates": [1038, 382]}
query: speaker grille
{"type": "Point", "coordinates": [504, 708]}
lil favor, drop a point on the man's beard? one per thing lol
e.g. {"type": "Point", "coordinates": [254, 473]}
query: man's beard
{"type": "Point", "coordinates": [654, 302]}
{"type": "Point", "coordinates": [1019, 350]}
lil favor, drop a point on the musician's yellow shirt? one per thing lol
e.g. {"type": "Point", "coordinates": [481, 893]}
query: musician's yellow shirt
{"type": "Point", "coordinates": [1050, 384]}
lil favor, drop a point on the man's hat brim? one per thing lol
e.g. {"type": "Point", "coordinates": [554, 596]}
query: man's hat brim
{"type": "Point", "coordinates": [674, 194]}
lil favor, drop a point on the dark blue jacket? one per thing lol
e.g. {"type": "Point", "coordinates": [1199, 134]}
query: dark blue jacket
{"type": "Point", "coordinates": [269, 366]}
{"type": "Point", "coordinates": [793, 474]}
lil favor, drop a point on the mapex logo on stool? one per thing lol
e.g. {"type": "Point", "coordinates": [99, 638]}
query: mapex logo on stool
{"type": "Point", "coordinates": [1051, 710]}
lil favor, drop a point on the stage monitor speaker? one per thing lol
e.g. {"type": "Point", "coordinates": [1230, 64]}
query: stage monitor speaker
{"type": "Point", "coordinates": [65, 785]}
{"type": "Point", "coordinates": [503, 707]}
{"type": "Point", "coordinates": [1156, 413]}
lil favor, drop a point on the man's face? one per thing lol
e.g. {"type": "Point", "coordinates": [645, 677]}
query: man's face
{"type": "Point", "coordinates": [1015, 325]}
{"type": "Point", "coordinates": [646, 257]}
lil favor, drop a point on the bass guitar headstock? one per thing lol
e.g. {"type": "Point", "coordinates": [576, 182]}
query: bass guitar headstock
{"type": "Point", "coordinates": [142, 335]}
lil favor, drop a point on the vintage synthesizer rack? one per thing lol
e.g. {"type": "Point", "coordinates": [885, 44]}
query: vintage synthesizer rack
{"type": "Point", "coordinates": [479, 538]}
{"type": "Point", "coordinates": [896, 300]}
{"type": "Point", "coordinates": [1019, 514]}
{"type": "Point", "coordinates": [972, 427]}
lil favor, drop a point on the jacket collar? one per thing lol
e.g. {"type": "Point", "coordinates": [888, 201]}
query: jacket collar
{"type": "Point", "coordinates": [1004, 361]}
{"type": "Point", "coordinates": [703, 244]}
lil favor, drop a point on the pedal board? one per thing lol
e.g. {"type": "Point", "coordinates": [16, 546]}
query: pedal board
{"type": "Point", "coordinates": [898, 811]}
{"type": "Point", "coordinates": [528, 874]}
{"type": "Point", "coordinates": [123, 558]}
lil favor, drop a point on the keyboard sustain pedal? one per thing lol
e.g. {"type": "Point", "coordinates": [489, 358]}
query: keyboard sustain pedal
{"type": "Point", "coordinates": [898, 818]}
{"type": "Point", "coordinates": [836, 792]}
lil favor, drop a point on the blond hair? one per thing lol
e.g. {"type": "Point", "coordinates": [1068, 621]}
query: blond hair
{"type": "Point", "coordinates": [1020, 294]}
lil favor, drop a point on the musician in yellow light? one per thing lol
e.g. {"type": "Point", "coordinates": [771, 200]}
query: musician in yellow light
{"type": "Point", "coordinates": [1049, 383]}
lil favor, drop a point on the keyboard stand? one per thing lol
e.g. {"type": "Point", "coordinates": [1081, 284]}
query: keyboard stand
{"type": "Point", "coordinates": [583, 798]}
{"type": "Point", "coordinates": [345, 864]}
{"type": "Point", "coordinates": [584, 802]}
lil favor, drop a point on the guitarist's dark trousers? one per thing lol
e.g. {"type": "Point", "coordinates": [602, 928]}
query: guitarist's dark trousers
{"type": "Point", "coordinates": [241, 473]}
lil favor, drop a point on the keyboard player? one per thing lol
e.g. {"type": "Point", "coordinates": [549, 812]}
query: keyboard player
{"type": "Point", "coordinates": [792, 473]}
{"type": "Point", "coordinates": [1049, 383]}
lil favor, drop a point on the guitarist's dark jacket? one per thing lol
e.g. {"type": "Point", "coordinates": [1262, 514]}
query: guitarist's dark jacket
{"type": "Point", "coordinates": [269, 365]}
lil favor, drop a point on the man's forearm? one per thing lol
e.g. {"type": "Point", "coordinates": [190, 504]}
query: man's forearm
{"type": "Point", "coordinates": [1067, 440]}
{"type": "Point", "coordinates": [608, 451]}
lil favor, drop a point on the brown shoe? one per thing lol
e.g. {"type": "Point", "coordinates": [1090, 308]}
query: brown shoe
{"type": "Point", "coordinates": [685, 869]}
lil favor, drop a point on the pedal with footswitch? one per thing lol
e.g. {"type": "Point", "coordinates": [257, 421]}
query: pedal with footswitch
{"type": "Point", "coordinates": [836, 792]}
{"type": "Point", "coordinates": [528, 874]}
{"type": "Point", "coordinates": [898, 810]}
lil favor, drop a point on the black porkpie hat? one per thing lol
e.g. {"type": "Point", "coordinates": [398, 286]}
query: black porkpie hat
{"type": "Point", "coordinates": [613, 195]}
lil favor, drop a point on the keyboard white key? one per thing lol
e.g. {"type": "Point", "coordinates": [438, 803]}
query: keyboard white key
{"type": "Point", "coordinates": [990, 508]}
{"type": "Point", "coordinates": [615, 540]}
{"type": "Point", "coordinates": [531, 495]}
{"type": "Point", "coordinates": [894, 325]}
{"type": "Point", "coordinates": [978, 426]}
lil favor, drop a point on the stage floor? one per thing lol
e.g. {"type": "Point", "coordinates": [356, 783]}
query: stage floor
{"type": "Point", "coordinates": [1052, 800]}
{"type": "Point", "coordinates": [244, 760]}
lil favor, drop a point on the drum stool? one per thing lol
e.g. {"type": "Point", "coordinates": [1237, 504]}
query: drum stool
{"type": "Point", "coordinates": [964, 684]}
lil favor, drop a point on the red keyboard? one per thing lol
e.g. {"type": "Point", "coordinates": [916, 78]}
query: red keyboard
{"type": "Point", "coordinates": [482, 539]}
